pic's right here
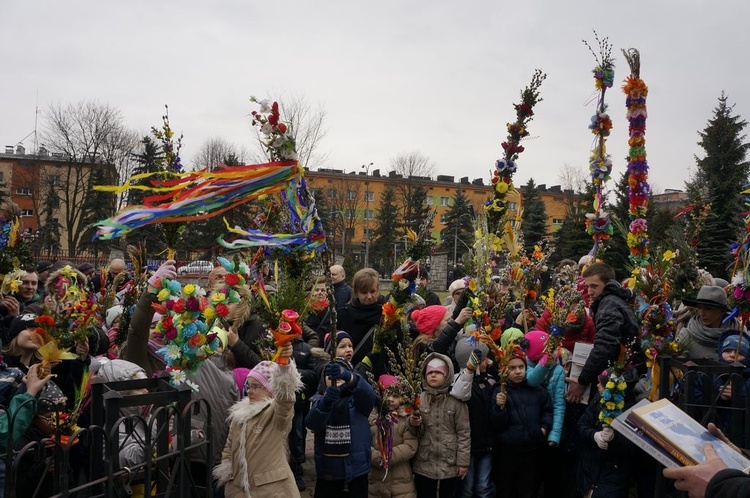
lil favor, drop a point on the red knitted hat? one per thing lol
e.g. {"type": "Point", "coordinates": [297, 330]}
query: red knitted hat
{"type": "Point", "coordinates": [428, 319]}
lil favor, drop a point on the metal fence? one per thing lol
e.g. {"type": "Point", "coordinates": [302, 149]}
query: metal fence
{"type": "Point", "coordinates": [155, 441]}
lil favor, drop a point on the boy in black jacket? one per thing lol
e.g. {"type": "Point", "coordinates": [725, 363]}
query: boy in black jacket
{"type": "Point", "coordinates": [522, 415]}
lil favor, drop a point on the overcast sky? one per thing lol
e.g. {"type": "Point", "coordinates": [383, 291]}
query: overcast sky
{"type": "Point", "coordinates": [439, 77]}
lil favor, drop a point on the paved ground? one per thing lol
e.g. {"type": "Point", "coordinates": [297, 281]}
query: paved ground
{"type": "Point", "coordinates": [309, 467]}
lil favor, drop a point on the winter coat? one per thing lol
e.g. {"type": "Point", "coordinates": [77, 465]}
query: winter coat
{"type": "Point", "coordinates": [701, 341]}
{"type": "Point", "coordinates": [307, 365]}
{"type": "Point", "coordinates": [616, 325]}
{"type": "Point", "coordinates": [445, 434]}
{"type": "Point", "coordinates": [136, 349]}
{"type": "Point", "coordinates": [245, 351]}
{"type": "Point", "coordinates": [360, 398]}
{"type": "Point", "coordinates": [399, 481]}
{"type": "Point", "coordinates": [573, 334]}
{"type": "Point", "coordinates": [357, 319]}
{"type": "Point", "coordinates": [320, 323]}
{"type": "Point", "coordinates": [607, 471]}
{"type": "Point", "coordinates": [342, 292]}
{"type": "Point", "coordinates": [729, 482]}
{"type": "Point", "coordinates": [476, 390]}
{"type": "Point", "coordinates": [527, 411]}
{"type": "Point", "coordinates": [254, 460]}
{"type": "Point", "coordinates": [22, 409]}
{"type": "Point", "coordinates": [217, 387]}
{"type": "Point", "coordinates": [553, 378]}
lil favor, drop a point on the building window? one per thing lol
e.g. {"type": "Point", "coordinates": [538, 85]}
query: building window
{"type": "Point", "coordinates": [351, 214]}
{"type": "Point", "coordinates": [369, 214]}
{"type": "Point", "coordinates": [23, 191]}
{"type": "Point", "coordinates": [366, 233]}
{"type": "Point", "coordinates": [445, 201]}
{"type": "Point", "coordinates": [369, 196]}
{"type": "Point", "coordinates": [444, 219]}
{"type": "Point", "coordinates": [54, 180]}
{"type": "Point", "coordinates": [351, 195]}
{"type": "Point", "coordinates": [27, 213]}
{"type": "Point", "coordinates": [332, 194]}
{"type": "Point", "coordinates": [428, 200]}
{"type": "Point", "coordinates": [350, 233]}
{"type": "Point", "coordinates": [512, 206]}
{"type": "Point", "coordinates": [2, 177]}
{"type": "Point", "coordinates": [557, 221]}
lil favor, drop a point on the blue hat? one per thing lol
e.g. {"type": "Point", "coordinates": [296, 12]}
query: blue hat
{"type": "Point", "coordinates": [340, 335]}
{"type": "Point", "coordinates": [732, 343]}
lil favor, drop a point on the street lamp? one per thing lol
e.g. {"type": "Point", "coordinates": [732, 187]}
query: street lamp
{"type": "Point", "coordinates": [367, 220]}
{"type": "Point", "coordinates": [455, 237]}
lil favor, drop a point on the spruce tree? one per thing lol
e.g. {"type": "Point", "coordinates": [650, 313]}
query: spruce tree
{"type": "Point", "coordinates": [416, 208]}
{"type": "Point", "coordinates": [571, 239]}
{"type": "Point", "coordinates": [386, 232]}
{"type": "Point", "coordinates": [617, 246]}
{"type": "Point", "coordinates": [534, 216]}
{"type": "Point", "coordinates": [458, 232]}
{"type": "Point", "coordinates": [722, 172]}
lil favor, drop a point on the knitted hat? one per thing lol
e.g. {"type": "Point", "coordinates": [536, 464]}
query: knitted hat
{"type": "Point", "coordinates": [262, 372]}
{"type": "Point", "coordinates": [510, 334]}
{"type": "Point", "coordinates": [456, 285]}
{"type": "Point", "coordinates": [517, 352]}
{"type": "Point", "coordinates": [18, 325]}
{"type": "Point", "coordinates": [436, 365]}
{"type": "Point", "coordinates": [86, 268]}
{"type": "Point", "coordinates": [112, 314]}
{"type": "Point", "coordinates": [464, 348]}
{"type": "Point", "coordinates": [240, 376]}
{"type": "Point", "coordinates": [340, 335]}
{"type": "Point", "coordinates": [537, 339]}
{"type": "Point", "coordinates": [115, 370]}
{"type": "Point", "coordinates": [51, 399]}
{"type": "Point", "coordinates": [43, 266]}
{"type": "Point", "coordinates": [156, 317]}
{"type": "Point", "coordinates": [385, 381]}
{"type": "Point", "coordinates": [428, 319]}
{"type": "Point", "coordinates": [565, 356]}
{"type": "Point", "coordinates": [732, 343]}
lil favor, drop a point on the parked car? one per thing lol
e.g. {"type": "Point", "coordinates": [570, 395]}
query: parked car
{"type": "Point", "coordinates": [199, 266]}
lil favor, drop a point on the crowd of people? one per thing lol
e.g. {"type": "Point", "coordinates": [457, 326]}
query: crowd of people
{"type": "Point", "coordinates": [472, 432]}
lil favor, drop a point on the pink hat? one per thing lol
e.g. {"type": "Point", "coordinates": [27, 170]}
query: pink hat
{"type": "Point", "coordinates": [428, 319]}
{"type": "Point", "coordinates": [387, 381]}
{"type": "Point", "coordinates": [437, 365]}
{"type": "Point", "coordinates": [262, 372]}
{"type": "Point", "coordinates": [537, 339]}
{"type": "Point", "coordinates": [240, 376]}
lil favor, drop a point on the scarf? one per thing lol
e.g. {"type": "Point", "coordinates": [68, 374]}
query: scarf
{"type": "Point", "coordinates": [338, 437]}
{"type": "Point", "coordinates": [708, 336]}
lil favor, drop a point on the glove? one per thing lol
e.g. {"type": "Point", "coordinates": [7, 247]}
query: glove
{"type": "Point", "coordinates": [334, 371]}
{"type": "Point", "coordinates": [332, 395]}
{"type": "Point", "coordinates": [166, 270]}
{"type": "Point", "coordinates": [600, 441]}
{"type": "Point", "coordinates": [608, 434]}
{"type": "Point", "coordinates": [475, 358]}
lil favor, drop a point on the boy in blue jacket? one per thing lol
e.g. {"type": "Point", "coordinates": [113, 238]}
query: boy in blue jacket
{"type": "Point", "coordinates": [339, 418]}
{"type": "Point", "coordinates": [522, 415]}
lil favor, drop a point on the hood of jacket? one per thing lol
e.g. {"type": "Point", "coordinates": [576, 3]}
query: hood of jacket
{"type": "Point", "coordinates": [613, 288]}
{"type": "Point", "coordinates": [448, 378]}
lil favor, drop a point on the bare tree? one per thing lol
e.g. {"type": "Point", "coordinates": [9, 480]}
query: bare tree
{"type": "Point", "coordinates": [89, 135]}
{"type": "Point", "coordinates": [215, 151]}
{"type": "Point", "coordinates": [344, 200]}
{"type": "Point", "coordinates": [305, 123]}
{"type": "Point", "coordinates": [573, 178]}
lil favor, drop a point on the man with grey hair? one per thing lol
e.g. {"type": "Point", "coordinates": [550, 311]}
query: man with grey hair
{"type": "Point", "coordinates": [341, 290]}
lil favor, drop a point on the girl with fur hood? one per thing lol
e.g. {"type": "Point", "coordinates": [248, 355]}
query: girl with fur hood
{"type": "Point", "coordinates": [442, 425]}
{"type": "Point", "coordinates": [254, 460]}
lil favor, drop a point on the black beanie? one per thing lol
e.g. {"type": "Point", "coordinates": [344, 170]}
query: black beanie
{"type": "Point", "coordinates": [18, 325]}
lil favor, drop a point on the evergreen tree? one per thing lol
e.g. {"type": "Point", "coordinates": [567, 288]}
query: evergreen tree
{"type": "Point", "coordinates": [416, 208]}
{"type": "Point", "coordinates": [49, 237]}
{"type": "Point", "coordinates": [571, 239]}
{"type": "Point", "coordinates": [96, 207]}
{"type": "Point", "coordinates": [617, 247]}
{"type": "Point", "coordinates": [722, 172]}
{"type": "Point", "coordinates": [534, 217]}
{"type": "Point", "coordinates": [458, 231]}
{"type": "Point", "coordinates": [387, 231]}
{"type": "Point", "coordinates": [149, 160]}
